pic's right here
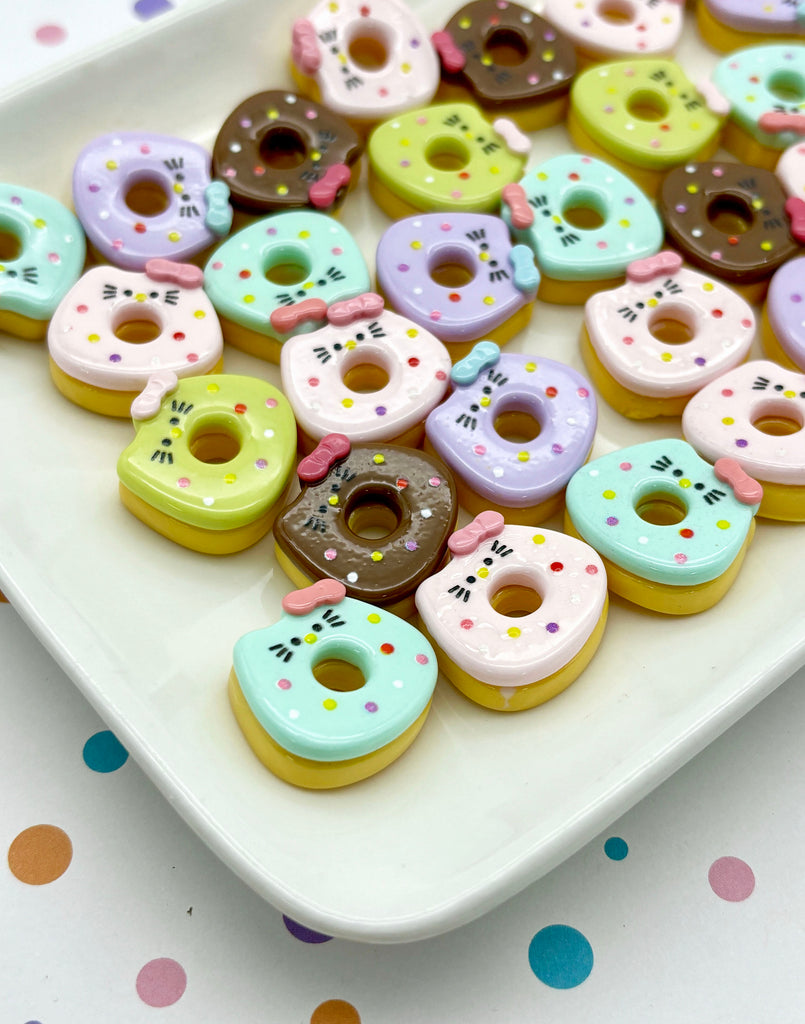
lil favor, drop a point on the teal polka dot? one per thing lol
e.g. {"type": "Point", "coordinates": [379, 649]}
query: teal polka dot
{"type": "Point", "coordinates": [560, 956]}
{"type": "Point", "coordinates": [104, 752]}
{"type": "Point", "coordinates": [616, 848]}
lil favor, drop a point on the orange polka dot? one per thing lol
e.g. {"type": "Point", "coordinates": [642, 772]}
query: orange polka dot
{"type": "Point", "coordinates": [335, 1011]}
{"type": "Point", "coordinates": [40, 854]}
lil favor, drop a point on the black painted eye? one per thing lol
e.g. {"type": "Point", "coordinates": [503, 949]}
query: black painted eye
{"type": "Point", "coordinates": [778, 387]}
{"type": "Point", "coordinates": [678, 472]}
{"type": "Point", "coordinates": [321, 283]}
{"type": "Point", "coordinates": [640, 305]}
{"type": "Point", "coordinates": [301, 295]}
{"type": "Point", "coordinates": [128, 292]}
{"type": "Point", "coordinates": [359, 337]}
{"type": "Point", "coordinates": [698, 487]}
{"type": "Point", "coordinates": [493, 263]}
{"type": "Point", "coordinates": [333, 49]}
{"type": "Point", "coordinates": [546, 213]}
{"type": "Point", "coordinates": [173, 420]}
{"type": "Point", "coordinates": [295, 641]}
{"type": "Point", "coordinates": [488, 561]}
{"type": "Point", "coordinates": [470, 579]}
{"type": "Point", "coordinates": [473, 408]}
{"type": "Point", "coordinates": [153, 295]}
{"type": "Point", "coordinates": [338, 346]}
{"type": "Point", "coordinates": [166, 441]}
{"type": "Point", "coordinates": [487, 391]}
{"type": "Point", "coordinates": [317, 627]}
{"type": "Point", "coordinates": [11, 273]}
{"type": "Point", "coordinates": [657, 295]}
{"type": "Point", "coordinates": [180, 177]}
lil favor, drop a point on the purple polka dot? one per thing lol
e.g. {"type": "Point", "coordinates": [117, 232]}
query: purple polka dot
{"type": "Point", "coordinates": [403, 267]}
{"type": "Point", "coordinates": [681, 208]}
{"type": "Point", "coordinates": [371, 706]}
{"type": "Point", "coordinates": [299, 931]}
{"type": "Point", "coordinates": [553, 627]}
{"type": "Point", "coordinates": [115, 358]}
{"type": "Point", "coordinates": [612, 521]}
{"type": "Point", "coordinates": [381, 410]}
{"type": "Point", "coordinates": [549, 37]}
{"type": "Point", "coordinates": [260, 463]}
{"type": "Point", "coordinates": [700, 361]}
{"type": "Point", "coordinates": [629, 200]}
{"type": "Point", "coordinates": [16, 201]}
{"type": "Point", "coordinates": [741, 442]}
{"type": "Point", "coordinates": [731, 878]}
{"type": "Point", "coordinates": [557, 449]}
{"type": "Point", "coordinates": [796, 298]}
{"type": "Point", "coordinates": [94, 188]}
{"type": "Point", "coordinates": [411, 545]}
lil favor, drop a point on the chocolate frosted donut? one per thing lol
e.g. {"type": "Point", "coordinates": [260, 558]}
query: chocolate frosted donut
{"type": "Point", "coordinates": [279, 151]}
{"type": "Point", "coordinates": [374, 517]}
{"type": "Point", "coordinates": [508, 60]}
{"type": "Point", "coordinates": [728, 219]}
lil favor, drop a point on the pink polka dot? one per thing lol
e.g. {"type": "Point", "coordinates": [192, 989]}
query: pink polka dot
{"type": "Point", "coordinates": [479, 449]}
{"type": "Point", "coordinates": [422, 659]}
{"type": "Point", "coordinates": [466, 623]}
{"type": "Point", "coordinates": [626, 466]}
{"type": "Point", "coordinates": [680, 558]}
{"type": "Point", "coordinates": [161, 982]}
{"type": "Point", "coordinates": [284, 684]}
{"type": "Point", "coordinates": [271, 403]}
{"type": "Point", "coordinates": [81, 309]}
{"type": "Point", "coordinates": [731, 878]}
{"type": "Point", "coordinates": [183, 481]}
{"type": "Point", "coordinates": [54, 257]}
{"type": "Point", "coordinates": [50, 35]}
{"type": "Point", "coordinates": [591, 570]}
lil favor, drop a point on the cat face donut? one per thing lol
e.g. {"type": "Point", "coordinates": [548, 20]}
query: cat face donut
{"type": "Point", "coordinates": [672, 529]}
{"type": "Point", "coordinates": [277, 151]}
{"type": "Point", "coordinates": [334, 691]}
{"type": "Point", "coordinates": [507, 60]}
{"type": "Point", "coordinates": [370, 372]}
{"type": "Point", "coordinates": [276, 277]}
{"type": "Point", "coordinates": [115, 328]}
{"type": "Point", "coordinates": [365, 61]}
{"type": "Point", "coordinates": [601, 31]}
{"type": "Point", "coordinates": [643, 116]}
{"type": "Point", "coordinates": [211, 459]}
{"type": "Point", "coordinates": [459, 276]}
{"type": "Point", "coordinates": [516, 616]}
{"type": "Point", "coordinates": [783, 333]}
{"type": "Point", "coordinates": [375, 517]}
{"type": "Point", "coordinates": [729, 25]}
{"type": "Point", "coordinates": [755, 414]}
{"type": "Point", "coordinates": [790, 170]}
{"type": "Point", "coordinates": [585, 221]}
{"type": "Point", "coordinates": [42, 253]}
{"type": "Point", "coordinates": [514, 431]}
{"type": "Point", "coordinates": [650, 345]}
{"type": "Point", "coordinates": [444, 157]}
{"type": "Point", "coordinates": [141, 196]}
{"type": "Point", "coordinates": [764, 90]}
{"type": "Point", "coordinates": [730, 221]}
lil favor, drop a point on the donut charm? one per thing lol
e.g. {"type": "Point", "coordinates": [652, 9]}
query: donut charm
{"type": "Point", "coordinates": [115, 328]}
{"type": "Point", "coordinates": [601, 31]}
{"type": "Point", "coordinates": [374, 517]}
{"type": "Point", "coordinates": [755, 415]}
{"type": "Point", "coordinates": [277, 151]}
{"type": "Point", "coordinates": [729, 220]}
{"type": "Point", "coordinates": [516, 615]}
{"type": "Point", "coordinates": [42, 253]}
{"type": "Point", "coordinates": [141, 196]}
{"type": "Point", "coordinates": [729, 25]}
{"type": "Point", "coordinates": [783, 333]}
{"type": "Point", "coordinates": [499, 400]}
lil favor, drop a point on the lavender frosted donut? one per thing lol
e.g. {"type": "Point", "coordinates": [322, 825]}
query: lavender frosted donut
{"type": "Point", "coordinates": [514, 431]}
{"type": "Point", "coordinates": [458, 275]}
{"type": "Point", "coordinates": [783, 333]}
{"type": "Point", "coordinates": [141, 196]}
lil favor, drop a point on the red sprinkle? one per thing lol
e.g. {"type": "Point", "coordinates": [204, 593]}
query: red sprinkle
{"type": "Point", "coordinates": [686, 533]}
{"type": "Point", "coordinates": [551, 392]}
{"type": "Point", "coordinates": [556, 566]}
{"type": "Point", "coordinates": [178, 336]}
{"type": "Point", "coordinates": [717, 313]}
{"type": "Point", "coordinates": [413, 361]}
{"type": "Point", "coordinates": [245, 273]}
{"type": "Point", "coordinates": [240, 408]}
{"type": "Point", "coordinates": [387, 648]}
{"type": "Point", "coordinates": [139, 227]}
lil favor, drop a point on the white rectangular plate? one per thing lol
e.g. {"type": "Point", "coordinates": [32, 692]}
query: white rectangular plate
{"type": "Point", "coordinates": [483, 803]}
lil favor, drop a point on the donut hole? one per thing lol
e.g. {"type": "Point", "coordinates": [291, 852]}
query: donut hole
{"type": "Point", "coordinates": [506, 48]}
{"type": "Point", "coordinates": [214, 443]}
{"type": "Point", "coordinates": [451, 268]}
{"type": "Point", "coordinates": [373, 514]}
{"type": "Point", "coordinates": [516, 596]}
{"type": "Point", "coordinates": [672, 325]}
{"type": "Point", "coordinates": [516, 424]}
{"type": "Point", "coordinates": [339, 674]}
{"type": "Point", "coordinates": [287, 265]}
{"type": "Point", "coordinates": [778, 419]}
{"type": "Point", "coordinates": [661, 508]}
{"type": "Point", "coordinates": [135, 325]}
{"type": "Point", "coordinates": [147, 197]}
{"type": "Point", "coordinates": [10, 246]}
{"type": "Point", "coordinates": [365, 378]}
{"type": "Point", "coordinates": [616, 12]}
{"type": "Point", "coordinates": [369, 47]}
{"type": "Point", "coordinates": [282, 148]}
{"type": "Point", "coordinates": [584, 210]}
{"type": "Point", "coordinates": [445, 153]}
{"type": "Point", "coordinates": [787, 86]}
{"type": "Point", "coordinates": [730, 215]}
{"type": "Point", "coordinates": [647, 105]}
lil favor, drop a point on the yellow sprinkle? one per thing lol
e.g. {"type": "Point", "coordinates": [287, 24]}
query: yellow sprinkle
{"type": "Point", "coordinates": [405, 142]}
{"type": "Point", "coordinates": [548, 56]}
{"type": "Point", "coordinates": [523, 456]}
{"type": "Point", "coordinates": [377, 556]}
{"type": "Point", "coordinates": [539, 538]}
{"type": "Point", "coordinates": [728, 421]}
{"type": "Point", "coordinates": [347, 403]}
{"type": "Point", "coordinates": [494, 170]}
{"type": "Point", "coordinates": [625, 223]}
{"type": "Point", "coordinates": [173, 236]}
{"type": "Point", "coordinates": [790, 394]}
{"type": "Point", "coordinates": [750, 99]}
{"type": "Point", "coordinates": [93, 337]}
{"type": "Point", "coordinates": [378, 459]}
{"type": "Point", "coordinates": [333, 499]}
{"type": "Point", "coordinates": [140, 297]}
{"type": "Point", "coordinates": [465, 23]}
{"type": "Point", "coordinates": [483, 572]}
{"type": "Point", "coordinates": [310, 638]}
{"type": "Point", "coordinates": [514, 632]}
{"type": "Point", "coordinates": [333, 7]}
{"type": "Point", "coordinates": [304, 234]}
{"type": "Point", "coordinates": [469, 136]}
{"type": "Point", "coordinates": [556, 219]}
{"type": "Point", "coordinates": [405, 68]}
{"type": "Point", "coordinates": [374, 617]}
{"type": "Point", "coordinates": [485, 401]}
{"type": "Point", "coordinates": [329, 704]}
{"type": "Point", "coordinates": [723, 524]}
{"type": "Point", "coordinates": [416, 245]}
{"type": "Point", "coordinates": [248, 298]}
{"type": "Point", "coordinates": [350, 345]}
{"type": "Point", "coordinates": [308, 285]}
{"type": "Point", "coordinates": [342, 59]}
{"type": "Point", "coordinates": [176, 432]}
{"type": "Point", "coordinates": [766, 246]}
{"type": "Point", "coordinates": [486, 61]}
{"type": "Point", "coordinates": [708, 286]}
{"type": "Point", "coordinates": [694, 126]}
{"type": "Point", "coordinates": [230, 478]}
{"type": "Point", "coordinates": [111, 165]}
{"type": "Point", "coordinates": [199, 314]}
{"type": "Point", "coordinates": [542, 176]}
{"type": "Point", "coordinates": [684, 482]}
{"type": "Point", "coordinates": [757, 204]}
{"type": "Point", "coordinates": [483, 256]}
{"type": "Point", "coordinates": [652, 302]}
{"type": "Point", "coordinates": [39, 223]}
{"type": "Point", "coordinates": [692, 188]}
{"type": "Point", "coordinates": [488, 300]}
{"type": "Point", "coordinates": [315, 156]}
{"type": "Point", "coordinates": [609, 495]}
{"type": "Point", "coordinates": [212, 388]}
{"type": "Point", "coordinates": [530, 367]}
{"type": "Point", "coordinates": [412, 333]}
{"type": "Point", "coordinates": [666, 357]}
{"type": "Point", "coordinates": [282, 190]}
{"type": "Point", "coordinates": [178, 187]}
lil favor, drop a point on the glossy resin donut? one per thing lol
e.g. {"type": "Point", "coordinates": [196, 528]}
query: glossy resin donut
{"type": "Point", "coordinates": [790, 170]}
{"type": "Point", "coordinates": [644, 116]}
{"type": "Point", "coordinates": [508, 60]}
{"type": "Point", "coordinates": [783, 333]}
{"type": "Point", "coordinates": [276, 278]}
{"type": "Point", "coordinates": [602, 29]}
{"type": "Point", "coordinates": [458, 275]}
{"type": "Point", "coordinates": [730, 221]}
{"type": "Point", "coordinates": [375, 517]}
{"type": "Point", "coordinates": [650, 345]}
{"type": "Point", "coordinates": [513, 432]}
{"type": "Point", "coordinates": [516, 616]}
{"type": "Point", "coordinates": [446, 157]}
{"type": "Point", "coordinates": [755, 414]}
{"type": "Point", "coordinates": [42, 253]}
{"type": "Point", "coordinates": [369, 372]}
{"type": "Point", "coordinates": [334, 691]}
{"type": "Point", "coordinates": [728, 25]}
{"type": "Point", "coordinates": [585, 221]}
{"type": "Point", "coordinates": [115, 328]}
{"type": "Point", "coordinates": [672, 529]}
{"type": "Point", "coordinates": [278, 151]}
{"type": "Point", "coordinates": [365, 61]}
{"type": "Point", "coordinates": [211, 459]}
{"type": "Point", "coordinates": [765, 89]}
{"type": "Point", "coordinates": [141, 196]}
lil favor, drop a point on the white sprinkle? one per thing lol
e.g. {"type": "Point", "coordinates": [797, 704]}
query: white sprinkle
{"type": "Point", "coordinates": [497, 471]}
{"type": "Point", "coordinates": [352, 577]}
{"type": "Point", "coordinates": [642, 540]}
{"type": "Point", "coordinates": [293, 713]}
{"type": "Point", "coordinates": [398, 684]}
{"type": "Point", "coordinates": [234, 147]}
{"type": "Point", "coordinates": [426, 513]}
{"type": "Point", "coordinates": [208, 501]}
{"type": "Point", "coordinates": [268, 433]}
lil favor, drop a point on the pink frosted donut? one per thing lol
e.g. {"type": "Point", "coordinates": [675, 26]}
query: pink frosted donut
{"type": "Point", "coordinates": [790, 170]}
{"type": "Point", "coordinates": [369, 373]}
{"type": "Point", "coordinates": [603, 29]}
{"type": "Point", "coordinates": [115, 328]}
{"type": "Point", "coordinates": [517, 614]}
{"type": "Point", "coordinates": [755, 414]}
{"type": "Point", "coordinates": [652, 343]}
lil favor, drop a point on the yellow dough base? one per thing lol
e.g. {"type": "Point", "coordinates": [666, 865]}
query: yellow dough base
{"type": "Point", "coordinates": [396, 208]}
{"type": "Point", "coordinates": [301, 771]}
{"type": "Point", "coordinates": [208, 542]}
{"type": "Point", "coordinates": [22, 326]}
{"type": "Point", "coordinates": [531, 695]}
{"type": "Point", "coordinates": [100, 400]}
{"type": "Point", "coordinates": [725, 39]}
{"type": "Point", "coordinates": [261, 346]}
{"type": "Point", "coordinates": [772, 347]}
{"type": "Point", "coordinates": [528, 118]}
{"type": "Point", "coordinates": [664, 597]}
{"type": "Point", "coordinates": [649, 179]}
{"type": "Point", "coordinates": [747, 149]}
{"type": "Point", "coordinates": [573, 293]}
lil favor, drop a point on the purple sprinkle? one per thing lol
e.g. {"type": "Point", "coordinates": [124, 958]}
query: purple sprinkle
{"type": "Point", "coordinates": [16, 201]}
{"type": "Point", "coordinates": [411, 545]}
{"type": "Point", "coordinates": [557, 449]}
{"type": "Point", "coordinates": [114, 358]}
{"type": "Point", "coordinates": [681, 208]}
{"type": "Point", "coordinates": [612, 521]}
{"type": "Point", "coordinates": [370, 706]}
{"type": "Point", "coordinates": [553, 627]}
{"type": "Point", "coordinates": [700, 360]}
{"type": "Point", "coordinates": [796, 298]}
{"type": "Point", "coordinates": [414, 44]}
{"type": "Point", "coordinates": [405, 163]}
{"type": "Point", "coordinates": [95, 188]}
{"type": "Point", "coordinates": [741, 443]}
{"type": "Point", "coordinates": [629, 200]}
{"type": "Point", "coordinates": [403, 267]}
{"type": "Point", "coordinates": [271, 231]}
{"type": "Point", "coordinates": [299, 931]}
{"type": "Point", "coordinates": [381, 410]}
{"type": "Point", "coordinates": [549, 37]}
{"type": "Point", "coordinates": [149, 8]}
